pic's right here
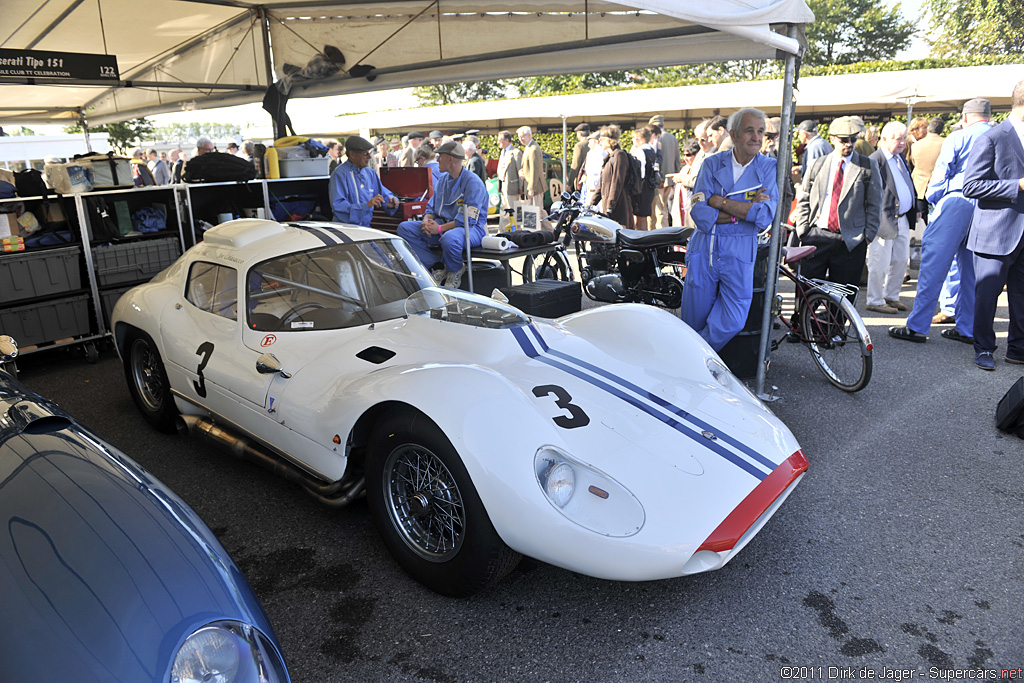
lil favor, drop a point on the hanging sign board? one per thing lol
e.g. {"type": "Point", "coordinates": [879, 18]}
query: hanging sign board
{"type": "Point", "coordinates": [69, 65]}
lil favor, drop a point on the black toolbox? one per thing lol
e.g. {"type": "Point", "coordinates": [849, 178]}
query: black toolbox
{"type": "Point", "coordinates": [546, 298]}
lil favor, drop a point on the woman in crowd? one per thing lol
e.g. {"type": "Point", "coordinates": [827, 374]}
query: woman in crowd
{"type": "Point", "coordinates": [645, 154]}
{"type": "Point", "coordinates": [612, 193]}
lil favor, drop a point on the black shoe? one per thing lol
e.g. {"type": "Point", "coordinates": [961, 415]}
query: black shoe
{"type": "Point", "coordinates": [953, 334]}
{"type": "Point", "coordinates": [907, 334]}
{"type": "Point", "coordinates": [793, 337]}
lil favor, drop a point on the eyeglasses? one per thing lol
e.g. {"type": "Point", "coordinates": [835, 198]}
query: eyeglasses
{"type": "Point", "coordinates": [688, 154]}
{"type": "Point", "coordinates": [847, 139]}
{"type": "Point", "coordinates": [771, 136]}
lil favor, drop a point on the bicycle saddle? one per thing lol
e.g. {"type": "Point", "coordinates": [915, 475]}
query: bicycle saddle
{"type": "Point", "coordinates": [791, 254]}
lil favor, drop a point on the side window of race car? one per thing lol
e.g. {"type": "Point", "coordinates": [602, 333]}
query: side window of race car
{"type": "Point", "coordinates": [214, 289]}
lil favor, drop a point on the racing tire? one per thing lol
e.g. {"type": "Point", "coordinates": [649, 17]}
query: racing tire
{"type": "Point", "coordinates": [427, 510]}
{"type": "Point", "coordinates": [147, 381]}
{"type": "Point", "coordinates": [833, 339]}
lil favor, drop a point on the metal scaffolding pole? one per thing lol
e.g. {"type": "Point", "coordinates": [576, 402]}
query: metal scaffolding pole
{"type": "Point", "coordinates": [785, 157]}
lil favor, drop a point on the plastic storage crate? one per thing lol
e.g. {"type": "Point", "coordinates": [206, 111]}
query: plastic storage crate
{"type": "Point", "coordinates": [26, 275]}
{"type": "Point", "coordinates": [47, 322]}
{"type": "Point", "coordinates": [133, 261]}
{"type": "Point", "coordinates": [304, 168]}
{"type": "Point", "coordinates": [108, 299]}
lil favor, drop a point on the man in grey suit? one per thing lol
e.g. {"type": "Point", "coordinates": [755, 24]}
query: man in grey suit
{"type": "Point", "coordinates": [889, 253]}
{"type": "Point", "coordinates": [839, 208]}
{"type": "Point", "coordinates": [995, 178]}
{"type": "Point", "coordinates": [669, 165]}
{"type": "Point", "coordinates": [814, 145]}
{"type": "Point", "coordinates": [509, 166]}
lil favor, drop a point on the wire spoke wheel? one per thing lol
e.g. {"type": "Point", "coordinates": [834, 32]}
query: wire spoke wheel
{"type": "Point", "coordinates": [147, 381]}
{"type": "Point", "coordinates": [424, 503]}
{"type": "Point", "coordinates": [427, 509]}
{"type": "Point", "coordinates": [147, 375]}
{"type": "Point", "coordinates": [835, 343]}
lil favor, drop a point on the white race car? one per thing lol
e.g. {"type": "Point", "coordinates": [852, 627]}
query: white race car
{"type": "Point", "coordinates": [611, 442]}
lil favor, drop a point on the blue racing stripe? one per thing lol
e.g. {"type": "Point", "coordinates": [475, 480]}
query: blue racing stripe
{"type": "Point", "coordinates": [316, 233]}
{"type": "Point", "coordinates": [337, 232]}
{"type": "Point", "coordinates": [672, 408]}
{"type": "Point", "coordinates": [674, 424]}
{"type": "Point", "coordinates": [531, 351]}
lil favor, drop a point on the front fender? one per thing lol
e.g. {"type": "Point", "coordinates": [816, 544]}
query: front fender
{"type": "Point", "coordinates": [494, 425]}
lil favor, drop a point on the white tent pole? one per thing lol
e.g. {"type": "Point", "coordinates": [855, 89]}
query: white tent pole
{"type": "Point", "coordinates": [85, 129]}
{"type": "Point", "coordinates": [565, 181]}
{"type": "Point", "coordinates": [785, 158]}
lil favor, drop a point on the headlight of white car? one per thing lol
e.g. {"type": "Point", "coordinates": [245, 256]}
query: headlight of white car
{"type": "Point", "coordinates": [227, 652]}
{"type": "Point", "coordinates": [587, 496]}
{"type": "Point", "coordinates": [720, 372]}
{"type": "Point", "coordinates": [728, 380]}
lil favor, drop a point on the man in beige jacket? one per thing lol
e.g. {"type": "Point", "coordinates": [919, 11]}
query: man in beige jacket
{"type": "Point", "coordinates": [923, 155]}
{"type": "Point", "coordinates": [532, 172]}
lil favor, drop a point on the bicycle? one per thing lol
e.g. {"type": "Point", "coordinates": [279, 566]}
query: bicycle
{"type": "Point", "coordinates": [827, 322]}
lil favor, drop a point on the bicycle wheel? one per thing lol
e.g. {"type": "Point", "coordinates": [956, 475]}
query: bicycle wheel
{"type": "Point", "coordinates": [838, 340]}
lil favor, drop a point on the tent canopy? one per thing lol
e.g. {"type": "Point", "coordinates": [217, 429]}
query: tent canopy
{"type": "Point", "coordinates": [188, 54]}
{"type": "Point", "coordinates": [873, 95]}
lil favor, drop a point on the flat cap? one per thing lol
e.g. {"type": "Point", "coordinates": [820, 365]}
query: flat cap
{"type": "Point", "coordinates": [415, 134]}
{"type": "Point", "coordinates": [808, 126]}
{"type": "Point", "coordinates": [355, 143]}
{"type": "Point", "coordinates": [845, 125]}
{"type": "Point", "coordinates": [582, 128]}
{"type": "Point", "coordinates": [979, 105]}
{"type": "Point", "coordinates": [435, 135]}
{"type": "Point", "coordinates": [594, 136]}
{"type": "Point", "coordinates": [657, 120]}
{"type": "Point", "coordinates": [452, 149]}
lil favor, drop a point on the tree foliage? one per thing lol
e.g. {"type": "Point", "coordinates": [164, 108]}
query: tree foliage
{"type": "Point", "coordinates": [123, 135]}
{"type": "Point", "coordinates": [976, 27]}
{"type": "Point", "coordinates": [454, 93]}
{"type": "Point", "coordinates": [849, 31]}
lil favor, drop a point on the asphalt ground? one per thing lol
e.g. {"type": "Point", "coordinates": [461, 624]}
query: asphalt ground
{"type": "Point", "coordinates": [900, 556]}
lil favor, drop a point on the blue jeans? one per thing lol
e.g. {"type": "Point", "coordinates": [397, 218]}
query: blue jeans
{"type": "Point", "coordinates": [944, 238]}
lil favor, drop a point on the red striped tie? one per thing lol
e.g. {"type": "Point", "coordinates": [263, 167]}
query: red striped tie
{"type": "Point", "coordinates": [833, 211]}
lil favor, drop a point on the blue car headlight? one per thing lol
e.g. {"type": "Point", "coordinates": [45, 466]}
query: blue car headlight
{"type": "Point", "coordinates": [587, 496]}
{"type": "Point", "coordinates": [228, 652]}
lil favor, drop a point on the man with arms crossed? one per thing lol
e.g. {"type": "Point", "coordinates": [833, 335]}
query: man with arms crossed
{"type": "Point", "coordinates": [734, 198]}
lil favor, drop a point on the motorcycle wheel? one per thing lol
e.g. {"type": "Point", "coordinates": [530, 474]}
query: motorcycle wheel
{"type": "Point", "coordinates": [554, 266]}
{"type": "Point", "coordinates": [668, 292]}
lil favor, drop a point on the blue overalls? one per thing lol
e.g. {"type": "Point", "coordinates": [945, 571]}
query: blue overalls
{"type": "Point", "coordinates": [446, 206]}
{"type": "Point", "coordinates": [720, 257]}
{"type": "Point", "coordinates": [350, 191]}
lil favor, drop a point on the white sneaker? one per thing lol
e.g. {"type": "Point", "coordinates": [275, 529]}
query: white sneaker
{"type": "Point", "coordinates": [455, 279]}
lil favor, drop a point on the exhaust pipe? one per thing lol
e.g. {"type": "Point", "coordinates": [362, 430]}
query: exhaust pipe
{"type": "Point", "coordinates": [337, 493]}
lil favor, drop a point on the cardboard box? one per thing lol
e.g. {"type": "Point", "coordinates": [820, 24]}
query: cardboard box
{"type": "Point", "coordinates": [9, 225]}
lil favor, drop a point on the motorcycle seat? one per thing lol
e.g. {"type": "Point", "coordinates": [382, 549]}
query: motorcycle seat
{"type": "Point", "coordinates": [662, 237]}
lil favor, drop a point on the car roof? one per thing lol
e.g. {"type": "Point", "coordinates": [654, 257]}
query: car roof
{"type": "Point", "coordinates": [251, 239]}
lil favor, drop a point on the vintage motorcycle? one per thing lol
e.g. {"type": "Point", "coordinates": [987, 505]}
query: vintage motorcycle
{"type": "Point", "coordinates": [617, 265]}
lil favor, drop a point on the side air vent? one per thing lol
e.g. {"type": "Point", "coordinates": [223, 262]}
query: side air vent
{"type": "Point", "coordinates": [375, 354]}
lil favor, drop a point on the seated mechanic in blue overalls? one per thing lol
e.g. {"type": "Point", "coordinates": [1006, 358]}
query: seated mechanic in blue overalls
{"type": "Point", "coordinates": [355, 188]}
{"type": "Point", "coordinates": [442, 223]}
{"type": "Point", "coordinates": [734, 198]}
